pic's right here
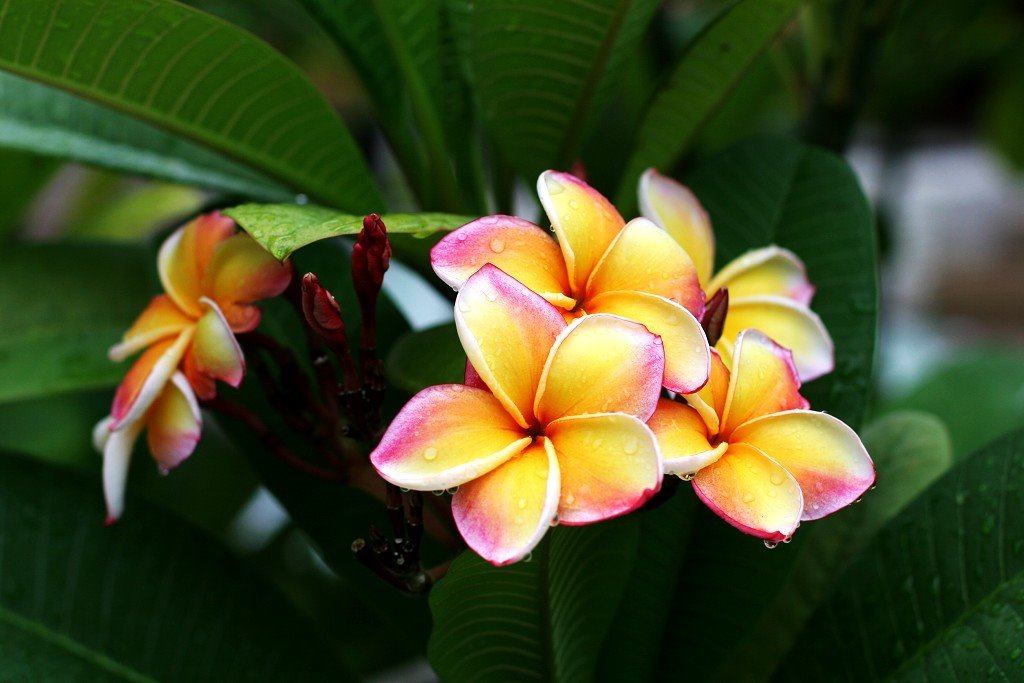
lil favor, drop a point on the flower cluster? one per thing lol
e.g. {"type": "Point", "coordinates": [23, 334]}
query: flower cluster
{"type": "Point", "coordinates": [211, 276]}
{"type": "Point", "coordinates": [589, 376]}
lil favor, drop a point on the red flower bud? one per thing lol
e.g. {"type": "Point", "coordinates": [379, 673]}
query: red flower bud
{"type": "Point", "coordinates": [323, 315]}
{"type": "Point", "coordinates": [715, 311]}
{"type": "Point", "coordinates": [371, 257]}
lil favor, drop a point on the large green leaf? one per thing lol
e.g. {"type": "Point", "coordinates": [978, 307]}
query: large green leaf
{"type": "Point", "coordinates": [49, 121]}
{"type": "Point", "coordinates": [284, 228]}
{"type": "Point", "coordinates": [196, 76]}
{"type": "Point", "coordinates": [542, 619]}
{"type": "Point", "coordinates": [63, 306]}
{"type": "Point", "coordinates": [427, 357]}
{"type": "Point", "coordinates": [149, 599]}
{"type": "Point", "coordinates": [700, 83]}
{"type": "Point", "coordinates": [24, 175]}
{"type": "Point", "coordinates": [939, 594]}
{"type": "Point", "coordinates": [542, 71]}
{"type": "Point", "coordinates": [776, 191]}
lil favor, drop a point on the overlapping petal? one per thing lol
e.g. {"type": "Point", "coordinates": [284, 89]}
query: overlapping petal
{"type": "Point", "coordinates": [683, 438]}
{"type": "Point", "coordinates": [506, 331]}
{"type": "Point", "coordinates": [173, 424]}
{"type": "Point", "coordinates": [503, 514]}
{"type": "Point", "coordinates": [792, 325]}
{"type": "Point", "coordinates": [609, 464]}
{"type": "Point", "coordinates": [709, 401]}
{"type": "Point", "coordinates": [161, 318]}
{"type": "Point", "coordinates": [445, 436]}
{"type": "Point", "coordinates": [185, 255]}
{"type": "Point", "coordinates": [763, 381]}
{"type": "Point", "coordinates": [824, 455]}
{"type": "Point", "coordinates": [769, 271]}
{"type": "Point", "coordinates": [117, 454]}
{"type": "Point", "coordinates": [239, 273]}
{"type": "Point", "coordinates": [215, 351]}
{"type": "Point", "coordinates": [672, 206]}
{"type": "Point", "coordinates": [147, 378]}
{"type": "Point", "coordinates": [601, 364]}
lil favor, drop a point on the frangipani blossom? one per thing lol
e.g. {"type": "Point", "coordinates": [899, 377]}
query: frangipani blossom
{"type": "Point", "coordinates": [758, 458]}
{"type": "Point", "coordinates": [557, 434]}
{"type": "Point", "coordinates": [600, 264]}
{"type": "Point", "coordinates": [768, 287]}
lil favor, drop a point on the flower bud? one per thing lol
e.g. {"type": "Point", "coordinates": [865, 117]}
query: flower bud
{"type": "Point", "coordinates": [323, 315]}
{"type": "Point", "coordinates": [371, 257]}
{"type": "Point", "coordinates": [715, 311]}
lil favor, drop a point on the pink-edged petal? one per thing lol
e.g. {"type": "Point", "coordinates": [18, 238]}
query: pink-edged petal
{"type": "Point", "coordinates": [683, 438]}
{"type": "Point", "coordinates": [240, 273]}
{"type": "Point", "coordinates": [117, 456]}
{"type": "Point", "coordinates": [763, 381]}
{"type": "Point", "coordinates": [824, 455]}
{"type": "Point", "coordinates": [173, 424]}
{"type": "Point", "coordinates": [672, 206]}
{"type": "Point", "coordinates": [215, 351]}
{"type": "Point", "coordinates": [507, 331]}
{"type": "Point", "coordinates": [687, 356]}
{"type": "Point", "coordinates": [585, 222]}
{"type": "Point", "coordinates": [752, 492]}
{"type": "Point", "coordinates": [445, 436]}
{"type": "Point", "coordinates": [769, 271]}
{"type": "Point", "coordinates": [523, 250]}
{"type": "Point", "coordinates": [601, 364]}
{"type": "Point", "coordinates": [184, 257]}
{"type": "Point", "coordinates": [147, 378]}
{"type": "Point", "coordinates": [472, 377]}
{"type": "Point", "coordinates": [644, 258]}
{"type": "Point", "coordinates": [709, 402]}
{"type": "Point", "coordinates": [503, 514]}
{"type": "Point", "coordinates": [791, 325]}
{"type": "Point", "coordinates": [610, 465]}
{"type": "Point", "coordinates": [160, 319]}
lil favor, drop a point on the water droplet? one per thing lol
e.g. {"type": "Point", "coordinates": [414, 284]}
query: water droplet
{"type": "Point", "coordinates": [631, 446]}
{"type": "Point", "coordinates": [463, 305]}
{"type": "Point", "coordinates": [522, 503]}
{"type": "Point", "coordinates": [777, 478]}
{"type": "Point", "coordinates": [403, 489]}
{"type": "Point", "coordinates": [555, 185]}
{"type": "Point", "coordinates": [787, 539]}
{"type": "Point", "coordinates": [570, 499]}
{"type": "Point", "coordinates": [461, 235]}
{"type": "Point", "coordinates": [528, 558]}
{"type": "Point", "coordinates": [452, 491]}
{"type": "Point", "coordinates": [554, 520]}
{"type": "Point", "coordinates": [438, 493]}
{"type": "Point", "coordinates": [772, 493]}
{"type": "Point", "coordinates": [688, 476]}
{"type": "Point", "coordinates": [497, 245]}
{"type": "Point", "coordinates": [573, 204]}
{"type": "Point", "coordinates": [164, 471]}
{"type": "Point", "coordinates": [748, 497]}
{"type": "Point", "coordinates": [490, 295]}
{"type": "Point", "coordinates": [399, 560]}
{"type": "Point", "coordinates": [430, 453]}
{"type": "Point", "coordinates": [489, 220]}
{"type": "Point", "coordinates": [771, 545]}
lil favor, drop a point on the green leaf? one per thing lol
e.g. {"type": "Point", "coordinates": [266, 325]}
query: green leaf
{"type": "Point", "coordinates": [148, 599]}
{"type": "Point", "coordinates": [196, 76]}
{"type": "Point", "coordinates": [64, 306]}
{"type": "Point", "coordinates": [49, 121]}
{"type": "Point", "coordinates": [777, 191]}
{"type": "Point", "coordinates": [542, 71]}
{"type": "Point", "coordinates": [425, 358]}
{"type": "Point", "coordinates": [542, 619]}
{"type": "Point", "coordinates": [699, 84]}
{"type": "Point", "coordinates": [24, 175]}
{"type": "Point", "coordinates": [939, 594]}
{"type": "Point", "coordinates": [284, 228]}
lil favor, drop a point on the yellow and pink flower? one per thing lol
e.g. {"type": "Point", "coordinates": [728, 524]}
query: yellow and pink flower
{"type": "Point", "coordinates": [552, 427]}
{"type": "Point", "coordinates": [600, 264]}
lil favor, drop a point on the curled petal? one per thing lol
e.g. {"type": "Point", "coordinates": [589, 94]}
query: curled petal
{"type": "Point", "coordinates": [520, 248]}
{"type": "Point", "coordinates": [791, 325]}
{"type": "Point", "coordinates": [752, 492]}
{"type": "Point", "coordinates": [117, 456]}
{"type": "Point", "coordinates": [601, 364]}
{"type": "Point", "coordinates": [585, 222]}
{"type": "Point", "coordinates": [763, 381]}
{"type": "Point", "coordinates": [173, 424]}
{"type": "Point", "coordinates": [672, 206]}
{"type": "Point", "coordinates": [503, 514]}
{"type": "Point", "coordinates": [185, 255]}
{"type": "Point", "coordinates": [644, 258]}
{"type": "Point", "coordinates": [472, 377]}
{"type": "Point", "coordinates": [770, 271]}
{"type": "Point", "coordinates": [610, 465]}
{"type": "Point", "coordinates": [683, 438]}
{"type": "Point", "coordinates": [687, 356]}
{"type": "Point", "coordinates": [215, 351]}
{"type": "Point", "coordinates": [824, 455]}
{"type": "Point", "coordinates": [161, 319]}
{"type": "Point", "coordinates": [240, 273]}
{"type": "Point", "coordinates": [147, 378]}
{"type": "Point", "coordinates": [709, 402]}
{"type": "Point", "coordinates": [507, 331]}
{"type": "Point", "coordinates": [445, 436]}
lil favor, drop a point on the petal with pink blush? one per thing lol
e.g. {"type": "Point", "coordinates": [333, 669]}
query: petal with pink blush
{"type": "Point", "coordinates": [117, 456]}
{"type": "Point", "coordinates": [764, 381]}
{"type": "Point", "coordinates": [687, 356]}
{"type": "Point", "coordinates": [184, 256]}
{"type": "Point", "coordinates": [523, 250]}
{"type": "Point", "coordinates": [672, 206]}
{"type": "Point", "coordinates": [601, 364]}
{"type": "Point", "coordinates": [215, 350]}
{"type": "Point", "coordinates": [445, 436]}
{"type": "Point", "coordinates": [585, 222]}
{"type": "Point", "coordinates": [161, 318]}
{"type": "Point", "coordinates": [770, 271]}
{"type": "Point", "coordinates": [752, 492]}
{"type": "Point", "coordinates": [147, 378]}
{"type": "Point", "coordinates": [609, 464]}
{"type": "Point", "coordinates": [683, 438]}
{"type": "Point", "coordinates": [503, 514]}
{"type": "Point", "coordinates": [644, 258]}
{"type": "Point", "coordinates": [472, 378]}
{"type": "Point", "coordinates": [507, 331]}
{"type": "Point", "coordinates": [824, 455]}
{"type": "Point", "coordinates": [709, 402]}
{"type": "Point", "coordinates": [240, 273]}
{"type": "Point", "coordinates": [173, 424]}
{"type": "Point", "coordinates": [792, 325]}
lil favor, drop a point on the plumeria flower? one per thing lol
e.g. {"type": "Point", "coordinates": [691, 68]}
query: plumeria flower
{"type": "Point", "coordinates": [600, 264]}
{"type": "Point", "coordinates": [554, 430]}
{"type": "Point", "coordinates": [757, 457]}
{"type": "Point", "coordinates": [768, 287]}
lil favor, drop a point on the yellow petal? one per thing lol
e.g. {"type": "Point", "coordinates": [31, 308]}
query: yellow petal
{"type": "Point", "coordinates": [240, 273]}
{"type": "Point", "coordinates": [585, 222]}
{"type": "Point", "coordinates": [770, 271]}
{"type": "Point", "coordinates": [601, 364]}
{"type": "Point", "coordinates": [791, 325]}
{"type": "Point", "coordinates": [672, 206]}
{"type": "Point", "coordinates": [161, 319]}
{"type": "Point", "coordinates": [709, 402]}
{"type": "Point", "coordinates": [215, 351]}
{"type": "Point", "coordinates": [184, 257]}
{"type": "Point", "coordinates": [147, 378]}
{"type": "Point", "coordinates": [173, 424]}
{"type": "Point", "coordinates": [683, 438]}
{"type": "Point", "coordinates": [763, 382]}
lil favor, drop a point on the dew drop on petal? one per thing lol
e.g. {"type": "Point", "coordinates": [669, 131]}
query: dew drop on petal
{"type": "Point", "coordinates": [573, 204]}
{"type": "Point", "coordinates": [570, 499]}
{"type": "Point", "coordinates": [771, 545]}
{"type": "Point", "coordinates": [631, 446]}
{"type": "Point", "coordinates": [522, 503]}
{"type": "Point", "coordinates": [688, 476]}
{"type": "Point", "coordinates": [163, 470]}
{"type": "Point", "coordinates": [461, 235]}
{"type": "Point", "coordinates": [497, 245]}
{"type": "Point", "coordinates": [452, 491]}
{"type": "Point", "coordinates": [555, 186]}
{"type": "Point", "coordinates": [748, 497]}
{"type": "Point", "coordinates": [777, 478]}
{"type": "Point", "coordinates": [528, 558]}
{"type": "Point", "coordinates": [554, 520]}
{"type": "Point", "coordinates": [490, 295]}
{"type": "Point", "coordinates": [463, 305]}
{"type": "Point", "coordinates": [787, 539]}
{"type": "Point", "coordinates": [430, 453]}
{"type": "Point", "coordinates": [772, 493]}
{"type": "Point", "coordinates": [489, 220]}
